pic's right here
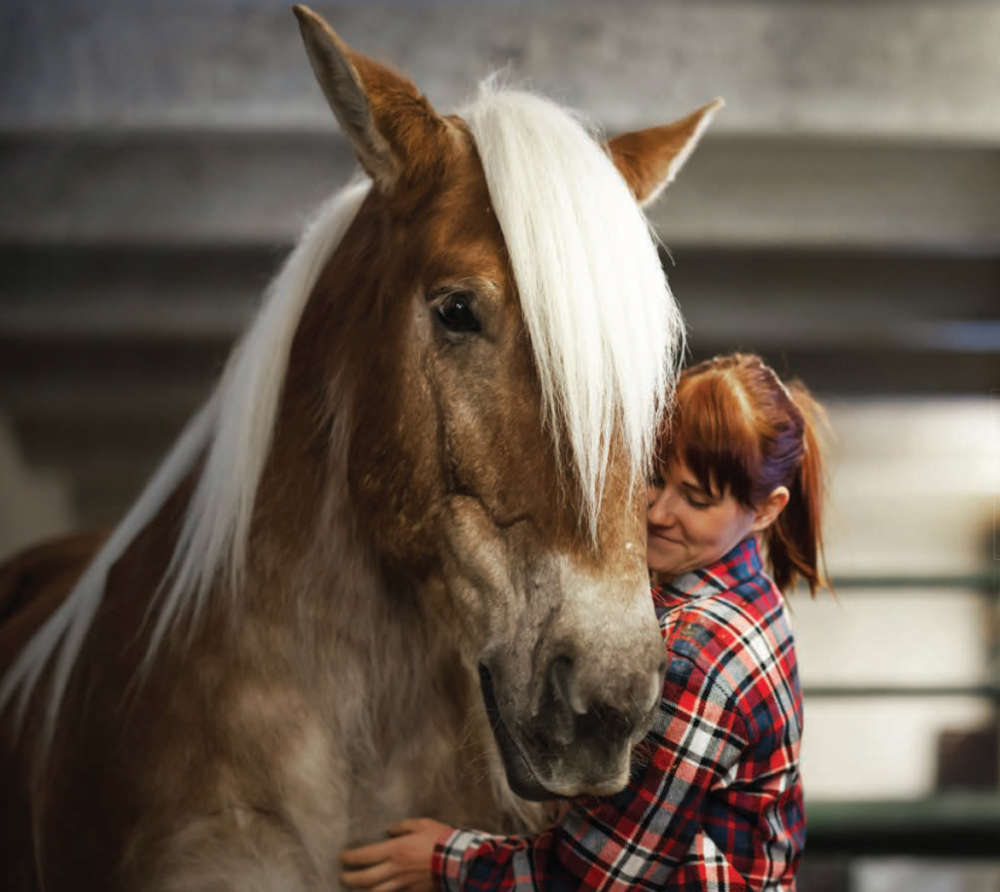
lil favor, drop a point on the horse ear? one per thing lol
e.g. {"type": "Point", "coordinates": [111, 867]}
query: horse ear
{"type": "Point", "coordinates": [650, 159]}
{"type": "Point", "coordinates": [381, 112]}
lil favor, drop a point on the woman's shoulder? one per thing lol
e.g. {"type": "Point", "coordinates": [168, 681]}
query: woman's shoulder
{"type": "Point", "coordinates": [729, 620]}
{"type": "Point", "coordinates": [745, 663]}
{"type": "Point", "coordinates": [733, 592]}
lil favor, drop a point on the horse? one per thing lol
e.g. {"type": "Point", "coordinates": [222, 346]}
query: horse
{"type": "Point", "coordinates": [395, 564]}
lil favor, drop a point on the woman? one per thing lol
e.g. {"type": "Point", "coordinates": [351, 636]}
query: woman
{"type": "Point", "coordinates": [715, 799]}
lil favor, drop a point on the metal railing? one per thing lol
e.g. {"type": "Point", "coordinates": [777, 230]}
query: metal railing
{"type": "Point", "coordinates": [951, 823]}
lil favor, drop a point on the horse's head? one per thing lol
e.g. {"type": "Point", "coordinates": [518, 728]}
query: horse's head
{"type": "Point", "coordinates": [509, 343]}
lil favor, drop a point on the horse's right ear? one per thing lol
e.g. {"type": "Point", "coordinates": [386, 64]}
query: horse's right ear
{"type": "Point", "coordinates": [381, 112]}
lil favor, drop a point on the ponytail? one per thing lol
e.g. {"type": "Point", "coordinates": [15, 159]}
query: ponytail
{"type": "Point", "coordinates": [741, 430]}
{"type": "Point", "coordinates": [794, 541]}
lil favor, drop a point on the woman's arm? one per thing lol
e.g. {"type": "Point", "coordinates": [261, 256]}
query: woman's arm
{"type": "Point", "coordinates": [633, 839]}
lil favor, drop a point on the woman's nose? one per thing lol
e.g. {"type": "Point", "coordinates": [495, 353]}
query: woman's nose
{"type": "Point", "coordinates": [661, 510]}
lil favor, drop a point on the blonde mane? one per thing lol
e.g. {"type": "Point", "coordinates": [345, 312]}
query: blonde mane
{"type": "Point", "coordinates": [605, 332]}
{"type": "Point", "coordinates": [232, 434]}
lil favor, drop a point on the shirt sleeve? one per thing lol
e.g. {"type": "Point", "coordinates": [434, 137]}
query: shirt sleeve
{"type": "Point", "coordinates": [635, 838]}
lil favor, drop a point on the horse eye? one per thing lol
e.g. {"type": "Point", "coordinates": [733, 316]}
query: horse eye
{"type": "Point", "coordinates": [456, 314]}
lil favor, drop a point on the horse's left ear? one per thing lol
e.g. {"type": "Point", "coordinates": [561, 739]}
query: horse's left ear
{"type": "Point", "coordinates": [389, 123]}
{"type": "Point", "coordinates": [650, 159]}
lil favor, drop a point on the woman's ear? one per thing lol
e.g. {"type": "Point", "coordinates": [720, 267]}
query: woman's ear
{"type": "Point", "coordinates": [768, 512]}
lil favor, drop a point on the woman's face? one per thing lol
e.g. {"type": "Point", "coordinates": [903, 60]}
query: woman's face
{"type": "Point", "coordinates": [687, 527]}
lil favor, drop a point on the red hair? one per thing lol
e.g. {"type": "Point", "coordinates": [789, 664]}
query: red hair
{"type": "Point", "coordinates": [742, 431]}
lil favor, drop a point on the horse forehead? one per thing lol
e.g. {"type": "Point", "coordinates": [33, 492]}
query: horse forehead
{"type": "Point", "coordinates": [461, 235]}
{"type": "Point", "coordinates": [456, 200]}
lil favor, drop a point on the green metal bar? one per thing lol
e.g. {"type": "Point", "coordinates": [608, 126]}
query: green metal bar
{"type": "Point", "coordinates": [958, 824]}
{"type": "Point", "coordinates": [984, 582]}
{"type": "Point", "coordinates": [987, 691]}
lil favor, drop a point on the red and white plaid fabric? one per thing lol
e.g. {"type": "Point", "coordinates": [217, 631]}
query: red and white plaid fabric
{"type": "Point", "coordinates": [715, 800]}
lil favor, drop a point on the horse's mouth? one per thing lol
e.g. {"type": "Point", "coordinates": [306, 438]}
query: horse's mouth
{"type": "Point", "coordinates": [520, 775]}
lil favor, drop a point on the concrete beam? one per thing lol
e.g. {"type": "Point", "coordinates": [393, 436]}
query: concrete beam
{"type": "Point", "coordinates": [61, 299]}
{"type": "Point", "coordinates": [910, 68]}
{"type": "Point", "coordinates": [240, 187]}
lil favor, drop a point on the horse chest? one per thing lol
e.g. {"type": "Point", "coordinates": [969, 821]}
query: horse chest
{"type": "Point", "coordinates": [413, 760]}
{"type": "Point", "coordinates": [344, 761]}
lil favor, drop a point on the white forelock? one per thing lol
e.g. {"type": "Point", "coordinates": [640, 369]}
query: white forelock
{"type": "Point", "coordinates": [605, 330]}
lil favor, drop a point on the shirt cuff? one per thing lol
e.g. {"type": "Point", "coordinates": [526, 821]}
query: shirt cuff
{"type": "Point", "coordinates": [448, 861]}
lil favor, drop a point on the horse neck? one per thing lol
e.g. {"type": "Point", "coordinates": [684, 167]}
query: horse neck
{"type": "Point", "coordinates": [315, 588]}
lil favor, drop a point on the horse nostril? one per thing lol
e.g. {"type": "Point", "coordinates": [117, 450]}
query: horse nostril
{"type": "Point", "coordinates": [578, 712]}
{"type": "Point", "coordinates": [561, 676]}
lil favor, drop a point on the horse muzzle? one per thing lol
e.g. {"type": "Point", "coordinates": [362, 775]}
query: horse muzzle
{"type": "Point", "coordinates": [574, 741]}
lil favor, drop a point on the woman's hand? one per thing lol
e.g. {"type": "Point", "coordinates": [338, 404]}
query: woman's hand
{"type": "Point", "coordinates": [403, 862]}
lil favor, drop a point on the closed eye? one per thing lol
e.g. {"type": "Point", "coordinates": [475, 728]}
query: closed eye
{"type": "Point", "coordinates": [695, 496]}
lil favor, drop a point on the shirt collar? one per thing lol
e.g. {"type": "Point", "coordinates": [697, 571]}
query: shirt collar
{"type": "Point", "coordinates": [738, 565]}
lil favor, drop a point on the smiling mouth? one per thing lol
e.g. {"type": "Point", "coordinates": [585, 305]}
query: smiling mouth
{"type": "Point", "coordinates": [655, 535]}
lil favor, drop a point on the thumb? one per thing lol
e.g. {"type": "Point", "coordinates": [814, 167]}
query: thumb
{"type": "Point", "coordinates": [410, 825]}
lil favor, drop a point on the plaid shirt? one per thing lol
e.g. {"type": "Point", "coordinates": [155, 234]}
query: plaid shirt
{"type": "Point", "coordinates": [715, 800]}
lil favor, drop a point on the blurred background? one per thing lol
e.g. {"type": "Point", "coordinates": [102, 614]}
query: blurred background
{"type": "Point", "coordinates": [841, 217]}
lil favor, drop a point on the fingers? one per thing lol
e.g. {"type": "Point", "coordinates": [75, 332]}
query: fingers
{"type": "Point", "coordinates": [370, 854]}
{"type": "Point", "coordinates": [410, 825]}
{"type": "Point", "coordinates": [410, 882]}
{"type": "Point", "coordinates": [379, 851]}
{"type": "Point", "coordinates": [392, 885]}
{"type": "Point", "coordinates": [372, 877]}
{"type": "Point", "coordinates": [401, 862]}
{"type": "Point", "coordinates": [385, 878]}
